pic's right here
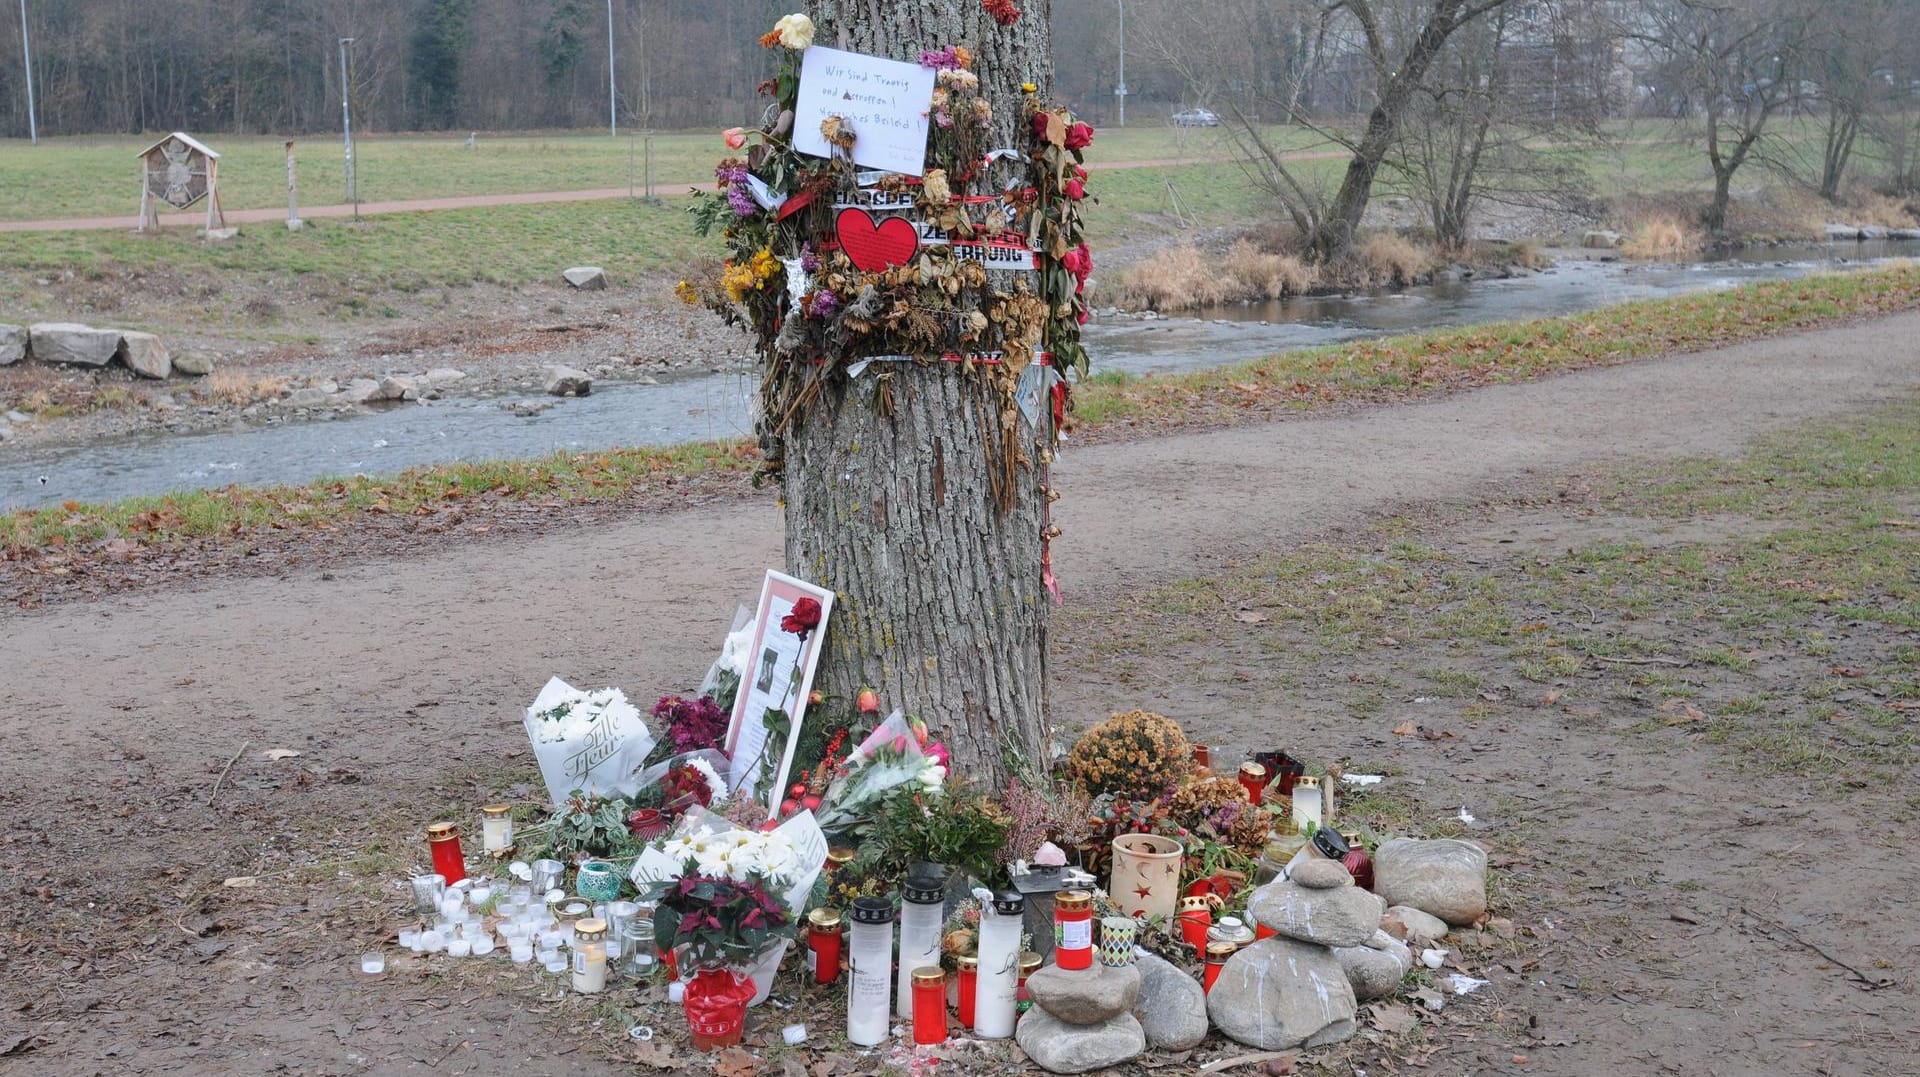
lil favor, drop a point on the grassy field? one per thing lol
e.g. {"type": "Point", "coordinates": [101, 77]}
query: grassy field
{"type": "Point", "coordinates": [1387, 369]}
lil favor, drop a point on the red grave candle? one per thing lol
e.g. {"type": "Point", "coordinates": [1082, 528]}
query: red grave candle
{"type": "Point", "coordinates": [929, 1005]}
{"type": "Point", "coordinates": [1217, 955]}
{"type": "Point", "coordinates": [823, 944]}
{"type": "Point", "coordinates": [1073, 929]}
{"type": "Point", "coordinates": [966, 978]}
{"type": "Point", "coordinates": [1253, 778]}
{"type": "Point", "coordinates": [1196, 916]}
{"type": "Point", "coordinates": [444, 840]}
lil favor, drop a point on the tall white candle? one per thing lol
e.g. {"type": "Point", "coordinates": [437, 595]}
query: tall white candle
{"type": "Point", "coordinates": [1306, 802]}
{"type": "Point", "coordinates": [998, 980]}
{"type": "Point", "coordinates": [870, 955]}
{"type": "Point", "coordinates": [921, 907]}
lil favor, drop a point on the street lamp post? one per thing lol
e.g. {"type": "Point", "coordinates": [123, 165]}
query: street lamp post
{"type": "Point", "coordinates": [346, 123]}
{"type": "Point", "coordinates": [613, 113]}
{"type": "Point", "coordinates": [26, 48]}
{"type": "Point", "coordinates": [1120, 90]}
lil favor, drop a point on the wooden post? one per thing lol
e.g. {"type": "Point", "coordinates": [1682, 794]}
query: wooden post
{"type": "Point", "coordinates": [149, 218]}
{"type": "Point", "coordinates": [215, 218]}
{"type": "Point", "coordinates": [294, 223]}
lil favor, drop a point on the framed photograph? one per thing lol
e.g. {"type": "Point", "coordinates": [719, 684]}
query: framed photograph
{"type": "Point", "coordinates": [789, 628]}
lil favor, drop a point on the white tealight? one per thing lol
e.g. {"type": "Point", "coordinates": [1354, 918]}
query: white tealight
{"type": "Point", "coordinates": [373, 964]}
{"type": "Point", "coordinates": [521, 953]}
{"type": "Point", "coordinates": [432, 941]}
{"type": "Point", "coordinates": [483, 945]}
{"type": "Point", "coordinates": [677, 991]}
{"type": "Point", "coordinates": [795, 1035]}
{"type": "Point", "coordinates": [557, 964]}
{"type": "Point", "coordinates": [459, 947]}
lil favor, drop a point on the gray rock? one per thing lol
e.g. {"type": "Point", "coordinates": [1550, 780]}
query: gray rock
{"type": "Point", "coordinates": [1903, 233]}
{"type": "Point", "coordinates": [1085, 996]}
{"type": "Point", "coordinates": [66, 342]}
{"type": "Point", "coordinates": [18, 416]}
{"type": "Point", "coordinates": [1342, 916]}
{"type": "Point", "coordinates": [1446, 878]}
{"type": "Point", "coordinates": [1872, 231]}
{"type": "Point", "coordinates": [1058, 1047]}
{"type": "Point", "coordinates": [1173, 1007]}
{"type": "Point", "coordinates": [399, 387]}
{"type": "Point", "coordinates": [1600, 239]}
{"type": "Point", "coordinates": [145, 355]}
{"type": "Point", "coordinates": [1407, 922]}
{"type": "Point", "coordinates": [1317, 874]}
{"type": "Point", "coordinates": [586, 278]}
{"type": "Point", "coordinates": [308, 397]}
{"type": "Point", "coordinates": [220, 235]}
{"type": "Point", "coordinates": [195, 363]}
{"type": "Point", "coordinates": [566, 381]}
{"type": "Point", "coordinates": [13, 344]}
{"type": "Point", "coordinates": [1278, 994]}
{"type": "Point", "coordinates": [1375, 970]}
{"type": "Point", "coordinates": [1843, 231]}
{"type": "Point", "coordinates": [6, 431]}
{"type": "Point", "coordinates": [360, 391]}
{"type": "Point", "coordinates": [441, 377]}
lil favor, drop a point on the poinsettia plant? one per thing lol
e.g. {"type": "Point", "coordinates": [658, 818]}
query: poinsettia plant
{"type": "Point", "coordinates": [720, 921]}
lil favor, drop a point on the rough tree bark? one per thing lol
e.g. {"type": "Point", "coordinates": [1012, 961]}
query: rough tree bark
{"type": "Point", "coordinates": [890, 480]}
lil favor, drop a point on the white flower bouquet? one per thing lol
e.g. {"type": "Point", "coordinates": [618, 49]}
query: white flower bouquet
{"type": "Point", "coordinates": [591, 741]}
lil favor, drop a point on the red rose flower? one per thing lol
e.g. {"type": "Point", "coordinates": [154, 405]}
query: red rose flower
{"type": "Point", "coordinates": [1039, 125]}
{"type": "Point", "coordinates": [1079, 136]}
{"type": "Point", "coordinates": [804, 618]}
{"type": "Point", "coordinates": [1076, 190]}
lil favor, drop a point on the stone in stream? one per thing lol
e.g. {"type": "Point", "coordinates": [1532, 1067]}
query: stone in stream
{"type": "Point", "coordinates": [1058, 1047]}
{"type": "Point", "coordinates": [586, 278]}
{"type": "Point", "coordinates": [1337, 916]}
{"type": "Point", "coordinates": [1843, 231]}
{"type": "Point", "coordinates": [566, 381]}
{"type": "Point", "coordinates": [68, 342]}
{"type": "Point", "coordinates": [1600, 239]}
{"type": "Point", "coordinates": [399, 387]}
{"type": "Point", "coordinates": [1375, 970]}
{"type": "Point", "coordinates": [1085, 996]}
{"type": "Point", "coordinates": [1445, 877]}
{"type": "Point", "coordinates": [1278, 994]}
{"type": "Point", "coordinates": [1407, 922]}
{"type": "Point", "coordinates": [13, 344]}
{"type": "Point", "coordinates": [145, 355]}
{"type": "Point", "coordinates": [359, 391]}
{"type": "Point", "coordinates": [1172, 1009]}
{"type": "Point", "coordinates": [441, 377]}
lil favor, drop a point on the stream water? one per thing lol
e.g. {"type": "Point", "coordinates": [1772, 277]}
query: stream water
{"type": "Point", "coordinates": [704, 406]}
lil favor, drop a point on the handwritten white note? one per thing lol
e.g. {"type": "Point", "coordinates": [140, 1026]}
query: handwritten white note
{"type": "Point", "coordinates": [883, 102]}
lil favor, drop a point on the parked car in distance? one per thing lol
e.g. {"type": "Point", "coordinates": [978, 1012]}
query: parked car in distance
{"type": "Point", "coordinates": [1195, 117]}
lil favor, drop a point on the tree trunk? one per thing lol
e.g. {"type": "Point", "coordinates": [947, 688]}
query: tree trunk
{"type": "Point", "coordinates": [899, 494]}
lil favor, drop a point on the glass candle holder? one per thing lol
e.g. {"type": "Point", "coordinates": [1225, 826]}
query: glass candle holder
{"type": "Point", "coordinates": [496, 829]}
{"type": "Point", "coordinates": [590, 956]}
{"type": "Point", "coordinates": [427, 892]}
{"type": "Point", "coordinates": [547, 875]}
{"type": "Point", "coordinates": [373, 964]}
{"type": "Point", "coordinates": [1117, 937]}
{"type": "Point", "coordinates": [443, 840]}
{"type": "Point", "coordinates": [929, 1005]}
{"type": "Point", "coordinates": [1306, 802]}
{"type": "Point", "coordinates": [597, 881]}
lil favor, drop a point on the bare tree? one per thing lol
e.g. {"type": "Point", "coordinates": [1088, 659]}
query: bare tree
{"type": "Point", "coordinates": [1733, 64]}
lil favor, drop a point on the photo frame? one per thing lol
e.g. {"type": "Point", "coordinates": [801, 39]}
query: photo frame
{"type": "Point", "coordinates": [779, 676]}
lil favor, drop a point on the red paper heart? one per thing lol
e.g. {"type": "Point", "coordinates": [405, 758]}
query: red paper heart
{"type": "Point", "coordinates": [875, 247]}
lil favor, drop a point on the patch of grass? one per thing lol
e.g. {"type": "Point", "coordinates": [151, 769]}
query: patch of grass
{"type": "Point", "coordinates": [1441, 360]}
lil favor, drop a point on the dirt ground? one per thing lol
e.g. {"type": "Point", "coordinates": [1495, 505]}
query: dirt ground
{"type": "Point", "coordinates": [1665, 897]}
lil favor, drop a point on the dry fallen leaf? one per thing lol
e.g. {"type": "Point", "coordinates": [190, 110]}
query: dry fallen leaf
{"type": "Point", "coordinates": [1680, 712]}
{"type": "Point", "coordinates": [1249, 617]}
{"type": "Point", "coordinates": [735, 1062]}
{"type": "Point", "coordinates": [240, 882]}
{"type": "Point", "coordinates": [1394, 1019]}
{"type": "Point", "coordinates": [1406, 729]}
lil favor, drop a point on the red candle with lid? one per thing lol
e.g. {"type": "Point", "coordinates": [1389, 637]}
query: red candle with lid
{"type": "Point", "coordinates": [823, 944]}
{"type": "Point", "coordinates": [1217, 955]}
{"type": "Point", "coordinates": [448, 862]}
{"type": "Point", "coordinates": [1196, 916]}
{"type": "Point", "coordinates": [929, 1005]}
{"type": "Point", "coordinates": [966, 980]}
{"type": "Point", "coordinates": [1073, 929]}
{"type": "Point", "coordinates": [1253, 778]}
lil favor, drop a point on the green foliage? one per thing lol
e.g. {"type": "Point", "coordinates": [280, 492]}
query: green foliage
{"type": "Point", "coordinates": [589, 826]}
{"type": "Point", "coordinates": [562, 41]}
{"type": "Point", "coordinates": [723, 922]}
{"type": "Point", "coordinates": [959, 826]}
{"type": "Point", "coordinates": [436, 49]}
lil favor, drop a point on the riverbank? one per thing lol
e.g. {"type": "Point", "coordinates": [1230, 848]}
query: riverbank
{"type": "Point", "coordinates": [76, 549]}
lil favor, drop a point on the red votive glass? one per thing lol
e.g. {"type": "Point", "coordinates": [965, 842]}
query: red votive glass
{"type": "Point", "coordinates": [448, 862]}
